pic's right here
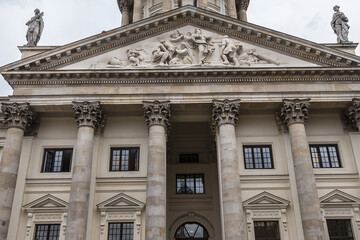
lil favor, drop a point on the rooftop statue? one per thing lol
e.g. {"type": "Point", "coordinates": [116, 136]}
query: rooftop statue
{"type": "Point", "coordinates": [340, 25]}
{"type": "Point", "coordinates": [35, 28]}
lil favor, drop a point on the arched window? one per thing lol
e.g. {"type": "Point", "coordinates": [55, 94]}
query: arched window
{"type": "Point", "coordinates": [191, 231]}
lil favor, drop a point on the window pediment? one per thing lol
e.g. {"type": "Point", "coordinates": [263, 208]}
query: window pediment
{"type": "Point", "coordinates": [48, 203]}
{"type": "Point", "coordinates": [338, 197]}
{"type": "Point", "coordinates": [266, 200]}
{"type": "Point", "coordinates": [121, 202]}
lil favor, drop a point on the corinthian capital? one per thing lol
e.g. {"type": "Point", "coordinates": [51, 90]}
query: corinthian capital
{"type": "Point", "coordinates": [18, 115]}
{"type": "Point", "coordinates": [244, 4]}
{"type": "Point", "coordinates": [354, 113]}
{"type": "Point", "coordinates": [124, 6]}
{"type": "Point", "coordinates": [88, 114]}
{"type": "Point", "coordinates": [294, 111]}
{"type": "Point", "coordinates": [157, 113]}
{"type": "Point", "coordinates": [225, 112]}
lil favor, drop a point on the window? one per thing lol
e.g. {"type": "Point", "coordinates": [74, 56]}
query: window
{"type": "Point", "coordinates": [190, 183]}
{"type": "Point", "coordinates": [266, 230]}
{"type": "Point", "coordinates": [124, 159]}
{"type": "Point", "coordinates": [189, 158]}
{"type": "Point", "coordinates": [47, 232]}
{"type": "Point", "coordinates": [57, 160]}
{"type": "Point", "coordinates": [340, 229]}
{"type": "Point", "coordinates": [191, 231]}
{"type": "Point", "coordinates": [121, 231]}
{"type": "Point", "coordinates": [258, 157]}
{"type": "Point", "coordinates": [325, 156]}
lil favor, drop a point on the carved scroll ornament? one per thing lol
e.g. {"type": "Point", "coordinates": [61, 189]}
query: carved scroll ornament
{"type": "Point", "coordinates": [157, 113]}
{"type": "Point", "coordinates": [294, 111]}
{"type": "Point", "coordinates": [18, 115]}
{"type": "Point", "coordinates": [88, 114]}
{"type": "Point", "coordinates": [225, 112]}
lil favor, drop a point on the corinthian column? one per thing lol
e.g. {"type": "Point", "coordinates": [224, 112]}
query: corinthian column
{"type": "Point", "coordinates": [243, 6]}
{"type": "Point", "coordinates": [157, 115]}
{"type": "Point", "coordinates": [124, 9]}
{"type": "Point", "coordinates": [88, 116]}
{"type": "Point", "coordinates": [225, 114]}
{"type": "Point", "coordinates": [294, 113]}
{"type": "Point", "coordinates": [18, 116]}
{"type": "Point", "coordinates": [354, 113]}
{"type": "Point", "coordinates": [231, 7]}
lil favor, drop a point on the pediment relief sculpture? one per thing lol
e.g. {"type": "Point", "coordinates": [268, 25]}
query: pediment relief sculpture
{"type": "Point", "coordinates": [184, 48]}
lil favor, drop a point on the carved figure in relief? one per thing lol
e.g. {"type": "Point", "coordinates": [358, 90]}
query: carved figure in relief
{"type": "Point", "coordinates": [229, 51]}
{"type": "Point", "coordinates": [340, 25]}
{"type": "Point", "coordinates": [35, 28]}
{"type": "Point", "coordinates": [115, 61]}
{"type": "Point", "coordinates": [201, 43]}
{"type": "Point", "coordinates": [164, 53]}
{"type": "Point", "coordinates": [134, 57]}
{"type": "Point", "coordinates": [250, 56]}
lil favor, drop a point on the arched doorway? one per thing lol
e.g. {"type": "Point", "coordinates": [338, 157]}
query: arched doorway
{"type": "Point", "coordinates": [191, 231]}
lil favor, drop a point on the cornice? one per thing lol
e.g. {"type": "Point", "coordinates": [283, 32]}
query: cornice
{"type": "Point", "coordinates": [182, 76]}
{"type": "Point", "coordinates": [187, 15]}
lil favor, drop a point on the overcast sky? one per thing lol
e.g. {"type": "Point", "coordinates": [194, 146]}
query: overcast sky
{"type": "Point", "coordinates": [70, 20]}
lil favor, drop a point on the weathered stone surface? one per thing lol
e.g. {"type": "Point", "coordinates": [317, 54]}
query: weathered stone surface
{"type": "Point", "coordinates": [353, 114]}
{"type": "Point", "coordinates": [340, 25]}
{"type": "Point", "coordinates": [8, 174]}
{"type": "Point", "coordinates": [17, 115]}
{"type": "Point", "coordinates": [295, 111]}
{"type": "Point", "coordinates": [157, 113]}
{"type": "Point", "coordinates": [124, 9]}
{"type": "Point", "coordinates": [225, 112]}
{"type": "Point", "coordinates": [88, 114]}
{"type": "Point", "coordinates": [36, 26]}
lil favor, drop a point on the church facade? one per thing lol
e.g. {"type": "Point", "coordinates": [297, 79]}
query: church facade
{"type": "Point", "coordinates": [187, 122]}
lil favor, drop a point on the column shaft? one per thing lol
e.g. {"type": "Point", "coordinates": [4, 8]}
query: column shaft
{"type": "Point", "coordinates": [242, 15]}
{"type": "Point", "coordinates": [80, 185]}
{"type": "Point", "coordinates": [232, 8]}
{"type": "Point", "coordinates": [305, 182]}
{"type": "Point", "coordinates": [230, 180]}
{"type": "Point", "coordinates": [8, 174]}
{"type": "Point", "coordinates": [156, 185]}
{"type": "Point", "coordinates": [124, 17]}
{"type": "Point", "coordinates": [137, 11]}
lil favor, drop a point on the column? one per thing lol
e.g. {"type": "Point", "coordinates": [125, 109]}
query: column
{"type": "Point", "coordinates": [18, 117]}
{"type": "Point", "coordinates": [243, 6]}
{"type": "Point", "coordinates": [137, 11]}
{"type": "Point", "coordinates": [202, 4]}
{"type": "Point", "coordinates": [157, 115]}
{"type": "Point", "coordinates": [88, 116]}
{"type": "Point", "coordinates": [124, 9]}
{"type": "Point", "coordinates": [225, 114]}
{"type": "Point", "coordinates": [294, 113]}
{"type": "Point", "coordinates": [354, 114]}
{"type": "Point", "coordinates": [231, 7]}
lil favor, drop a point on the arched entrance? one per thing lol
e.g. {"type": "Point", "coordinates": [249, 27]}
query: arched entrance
{"type": "Point", "coordinates": [191, 231]}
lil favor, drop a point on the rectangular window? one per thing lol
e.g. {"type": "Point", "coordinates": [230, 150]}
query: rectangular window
{"type": "Point", "coordinates": [258, 157]}
{"type": "Point", "coordinates": [57, 160]}
{"type": "Point", "coordinates": [121, 231]}
{"type": "Point", "coordinates": [190, 184]}
{"type": "Point", "coordinates": [340, 229]}
{"type": "Point", "coordinates": [266, 230]}
{"type": "Point", "coordinates": [47, 231]}
{"type": "Point", "coordinates": [189, 158]}
{"type": "Point", "coordinates": [325, 156]}
{"type": "Point", "coordinates": [124, 159]}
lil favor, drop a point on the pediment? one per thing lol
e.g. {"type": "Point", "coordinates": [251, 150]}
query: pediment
{"type": "Point", "coordinates": [121, 202]}
{"type": "Point", "coordinates": [47, 203]}
{"type": "Point", "coordinates": [272, 49]}
{"type": "Point", "coordinates": [265, 200]}
{"type": "Point", "coordinates": [338, 197]}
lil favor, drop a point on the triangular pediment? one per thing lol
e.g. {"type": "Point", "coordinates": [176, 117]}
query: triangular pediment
{"type": "Point", "coordinates": [338, 197]}
{"type": "Point", "coordinates": [272, 48]}
{"type": "Point", "coordinates": [266, 200]}
{"type": "Point", "coordinates": [47, 203]}
{"type": "Point", "coordinates": [121, 202]}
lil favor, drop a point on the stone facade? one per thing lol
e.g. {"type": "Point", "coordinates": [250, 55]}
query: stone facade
{"type": "Point", "coordinates": [228, 141]}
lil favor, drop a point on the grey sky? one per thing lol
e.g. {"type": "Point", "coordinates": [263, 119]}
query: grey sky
{"type": "Point", "coordinates": [70, 20]}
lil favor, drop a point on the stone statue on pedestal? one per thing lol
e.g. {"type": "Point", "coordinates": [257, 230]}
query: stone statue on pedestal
{"type": "Point", "coordinates": [36, 26]}
{"type": "Point", "coordinates": [340, 25]}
